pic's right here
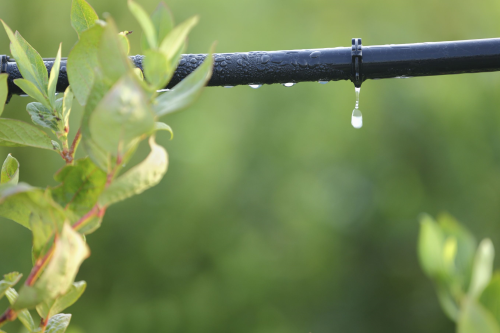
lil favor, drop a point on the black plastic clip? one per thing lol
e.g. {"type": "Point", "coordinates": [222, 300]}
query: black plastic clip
{"type": "Point", "coordinates": [357, 62]}
{"type": "Point", "coordinates": [3, 63]}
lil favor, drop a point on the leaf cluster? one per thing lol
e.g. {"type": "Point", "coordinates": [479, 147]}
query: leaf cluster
{"type": "Point", "coordinates": [122, 107]}
{"type": "Point", "coordinates": [462, 272]}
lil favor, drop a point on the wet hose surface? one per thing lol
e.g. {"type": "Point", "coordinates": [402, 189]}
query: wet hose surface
{"type": "Point", "coordinates": [334, 64]}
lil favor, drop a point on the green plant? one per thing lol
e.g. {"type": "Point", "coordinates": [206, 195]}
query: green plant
{"type": "Point", "coordinates": [462, 272]}
{"type": "Point", "coordinates": [121, 108]}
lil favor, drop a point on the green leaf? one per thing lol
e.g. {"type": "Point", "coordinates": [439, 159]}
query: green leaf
{"type": "Point", "coordinates": [4, 91]}
{"type": "Point", "coordinates": [83, 16]}
{"type": "Point", "coordinates": [474, 318]}
{"type": "Point", "coordinates": [490, 298]}
{"type": "Point", "coordinates": [122, 36]}
{"type": "Point", "coordinates": [83, 62]}
{"type": "Point", "coordinates": [46, 220]}
{"type": "Point", "coordinates": [58, 324]}
{"type": "Point", "coordinates": [176, 38]}
{"type": "Point", "coordinates": [66, 107]}
{"type": "Point", "coordinates": [69, 253]}
{"type": "Point", "coordinates": [157, 69]}
{"type": "Point", "coordinates": [24, 316]}
{"type": "Point", "coordinates": [44, 117]}
{"type": "Point", "coordinates": [465, 249]}
{"type": "Point", "coordinates": [482, 269]}
{"type": "Point", "coordinates": [10, 171]}
{"type": "Point", "coordinates": [36, 62]}
{"type": "Point", "coordinates": [447, 302]}
{"type": "Point", "coordinates": [146, 24]}
{"type": "Point", "coordinates": [187, 91]}
{"type": "Point", "coordinates": [164, 127]}
{"type": "Point", "coordinates": [50, 308]}
{"type": "Point", "coordinates": [24, 63]}
{"type": "Point", "coordinates": [163, 23]}
{"type": "Point", "coordinates": [16, 133]}
{"type": "Point", "coordinates": [114, 62]}
{"type": "Point", "coordinates": [54, 76]}
{"type": "Point", "coordinates": [30, 89]}
{"type": "Point", "coordinates": [9, 280]}
{"type": "Point", "coordinates": [430, 246]}
{"type": "Point", "coordinates": [121, 117]}
{"type": "Point", "coordinates": [98, 155]}
{"type": "Point", "coordinates": [14, 201]}
{"type": "Point", "coordinates": [138, 179]}
{"type": "Point", "coordinates": [81, 185]}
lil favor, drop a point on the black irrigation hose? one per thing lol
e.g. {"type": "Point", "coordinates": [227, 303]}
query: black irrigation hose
{"type": "Point", "coordinates": [354, 63]}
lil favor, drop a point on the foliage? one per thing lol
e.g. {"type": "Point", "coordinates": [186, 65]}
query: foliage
{"type": "Point", "coordinates": [462, 272]}
{"type": "Point", "coordinates": [122, 109]}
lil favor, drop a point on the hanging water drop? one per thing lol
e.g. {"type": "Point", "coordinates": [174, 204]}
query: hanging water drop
{"type": "Point", "coordinates": [228, 87]}
{"type": "Point", "coordinates": [322, 82]}
{"type": "Point", "coordinates": [255, 86]}
{"type": "Point", "coordinates": [289, 84]}
{"type": "Point", "coordinates": [162, 90]}
{"type": "Point", "coordinates": [357, 116]}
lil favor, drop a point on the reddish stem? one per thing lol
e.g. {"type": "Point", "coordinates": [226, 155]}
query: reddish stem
{"type": "Point", "coordinates": [39, 266]}
{"type": "Point", "coordinates": [9, 315]}
{"type": "Point", "coordinates": [75, 143]}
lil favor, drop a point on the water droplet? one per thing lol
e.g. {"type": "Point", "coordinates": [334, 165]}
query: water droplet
{"type": "Point", "coordinates": [357, 116]}
{"type": "Point", "coordinates": [228, 86]}
{"type": "Point", "coordinates": [255, 86]}
{"type": "Point", "coordinates": [315, 54]}
{"type": "Point", "coordinates": [322, 82]}
{"type": "Point", "coordinates": [162, 90]}
{"type": "Point", "coordinates": [24, 95]}
{"type": "Point", "coordinates": [289, 84]}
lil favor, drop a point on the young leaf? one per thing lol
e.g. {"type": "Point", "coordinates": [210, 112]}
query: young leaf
{"type": "Point", "coordinates": [163, 23]}
{"type": "Point", "coordinates": [16, 133]}
{"type": "Point", "coordinates": [44, 117]}
{"type": "Point", "coordinates": [122, 36]}
{"type": "Point", "coordinates": [23, 62]}
{"type": "Point", "coordinates": [113, 60]}
{"type": "Point", "coordinates": [58, 324]}
{"type": "Point", "coordinates": [81, 185]}
{"type": "Point", "coordinates": [176, 38]}
{"type": "Point", "coordinates": [10, 171]}
{"type": "Point", "coordinates": [474, 318]}
{"type": "Point", "coordinates": [69, 253]}
{"type": "Point", "coordinates": [490, 298]}
{"type": "Point", "coordinates": [482, 269]}
{"type": "Point", "coordinates": [66, 106]}
{"type": "Point", "coordinates": [9, 280]}
{"type": "Point", "coordinates": [164, 127]}
{"type": "Point", "coordinates": [122, 116]}
{"type": "Point", "coordinates": [447, 302]}
{"type": "Point", "coordinates": [54, 75]}
{"type": "Point", "coordinates": [138, 179]}
{"type": "Point", "coordinates": [146, 24]}
{"type": "Point", "coordinates": [50, 308]}
{"type": "Point", "coordinates": [30, 89]}
{"type": "Point", "coordinates": [187, 91]}
{"type": "Point", "coordinates": [36, 61]}
{"type": "Point", "coordinates": [157, 69]}
{"type": "Point", "coordinates": [430, 246]}
{"type": "Point", "coordinates": [83, 61]}
{"type": "Point", "coordinates": [83, 16]}
{"type": "Point", "coordinates": [24, 316]}
{"type": "Point", "coordinates": [4, 91]}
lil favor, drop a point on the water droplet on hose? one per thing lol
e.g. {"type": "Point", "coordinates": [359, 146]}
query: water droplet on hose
{"type": "Point", "coordinates": [289, 84]}
{"type": "Point", "coordinates": [322, 82]}
{"type": "Point", "coordinates": [228, 86]}
{"type": "Point", "coordinates": [255, 86]}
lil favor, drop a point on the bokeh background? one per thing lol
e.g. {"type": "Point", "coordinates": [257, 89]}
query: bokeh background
{"type": "Point", "coordinates": [276, 215]}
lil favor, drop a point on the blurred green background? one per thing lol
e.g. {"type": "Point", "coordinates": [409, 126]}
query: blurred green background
{"type": "Point", "coordinates": [276, 215]}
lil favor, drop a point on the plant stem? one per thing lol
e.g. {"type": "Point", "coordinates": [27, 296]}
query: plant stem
{"type": "Point", "coordinates": [76, 142]}
{"type": "Point", "coordinates": [39, 266]}
{"type": "Point", "coordinates": [9, 315]}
